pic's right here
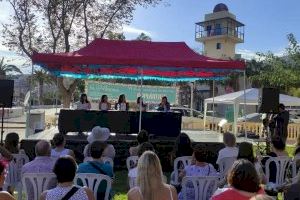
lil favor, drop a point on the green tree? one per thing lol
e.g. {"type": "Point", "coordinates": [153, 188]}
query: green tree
{"type": "Point", "coordinates": [277, 71]}
{"type": "Point", "coordinates": [144, 37]}
{"type": "Point", "coordinates": [6, 69]}
{"type": "Point", "coordinates": [41, 77]}
{"type": "Point", "coordinates": [62, 26]}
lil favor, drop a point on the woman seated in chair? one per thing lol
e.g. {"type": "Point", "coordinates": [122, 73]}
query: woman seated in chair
{"type": "Point", "coordinates": [246, 152]}
{"type": "Point", "coordinates": [3, 194]}
{"type": "Point", "coordinates": [59, 142]}
{"type": "Point", "coordinates": [150, 183]}
{"type": "Point", "coordinates": [243, 181]}
{"type": "Point", "coordinates": [65, 171]}
{"type": "Point", "coordinates": [11, 146]}
{"type": "Point", "coordinates": [146, 146]}
{"type": "Point", "coordinates": [277, 149]}
{"type": "Point", "coordinates": [141, 138]}
{"type": "Point", "coordinates": [200, 168]}
{"type": "Point", "coordinates": [230, 149]}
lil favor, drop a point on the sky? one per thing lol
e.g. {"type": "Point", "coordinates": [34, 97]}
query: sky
{"type": "Point", "coordinates": [267, 22]}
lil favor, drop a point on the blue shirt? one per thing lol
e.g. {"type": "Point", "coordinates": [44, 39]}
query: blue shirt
{"type": "Point", "coordinates": [86, 167]}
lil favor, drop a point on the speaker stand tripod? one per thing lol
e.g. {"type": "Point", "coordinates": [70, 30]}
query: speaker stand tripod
{"type": "Point", "coordinates": [2, 120]}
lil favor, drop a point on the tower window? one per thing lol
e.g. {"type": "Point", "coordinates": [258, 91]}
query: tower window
{"type": "Point", "coordinates": [218, 45]}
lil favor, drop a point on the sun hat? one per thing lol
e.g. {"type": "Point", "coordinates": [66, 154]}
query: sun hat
{"type": "Point", "coordinates": [98, 134]}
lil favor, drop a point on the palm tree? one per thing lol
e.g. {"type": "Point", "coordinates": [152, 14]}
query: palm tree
{"type": "Point", "coordinates": [5, 69]}
{"type": "Point", "coordinates": [41, 77]}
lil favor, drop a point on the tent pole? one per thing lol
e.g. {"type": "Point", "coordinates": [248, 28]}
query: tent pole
{"type": "Point", "coordinates": [245, 113]}
{"type": "Point", "coordinates": [213, 114]}
{"type": "Point", "coordinates": [28, 131]}
{"type": "Point", "coordinates": [192, 98]}
{"type": "Point", "coordinates": [204, 117]}
{"type": "Point", "coordinates": [141, 100]}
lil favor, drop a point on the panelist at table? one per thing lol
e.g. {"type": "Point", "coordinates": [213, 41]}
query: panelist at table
{"type": "Point", "coordinates": [122, 105]}
{"type": "Point", "coordinates": [164, 105]}
{"type": "Point", "coordinates": [104, 104]}
{"type": "Point", "coordinates": [144, 106]}
{"type": "Point", "coordinates": [84, 103]}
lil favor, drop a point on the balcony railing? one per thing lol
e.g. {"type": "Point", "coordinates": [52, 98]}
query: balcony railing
{"type": "Point", "coordinates": [226, 31]}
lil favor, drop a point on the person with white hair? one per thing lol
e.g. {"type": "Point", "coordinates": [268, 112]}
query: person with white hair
{"type": "Point", "coordinates": [99, 134]}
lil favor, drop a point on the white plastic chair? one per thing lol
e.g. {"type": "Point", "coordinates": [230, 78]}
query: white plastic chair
{"type": "Point", "coordinates": [36, 183]}
{"type": "Point", "coordinates": [104, 159]}
{"type": "Point", "coordinates": [179, 164]}
{"type": "Point", "coordinates": [203, 187]}
{"type": "Point", "coordinates": [92, 181]}
{"type": "Point", "coordinates": [131, 162]}
{"type": "Point", "coordinates": [295, 166]}
{"type": "Point", "coordinates": [225, 164]}
{"type": "Point", "coordinates": [14, 168]}
{"type": "Point", "coordinates": [282, 163]}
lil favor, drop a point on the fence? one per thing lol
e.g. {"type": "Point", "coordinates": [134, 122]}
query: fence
{"type": "Point", "coordinates": [197, 124]}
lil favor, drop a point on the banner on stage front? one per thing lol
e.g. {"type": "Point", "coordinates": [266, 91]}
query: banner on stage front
{"type": "Point", "coordinates": [151, 94]}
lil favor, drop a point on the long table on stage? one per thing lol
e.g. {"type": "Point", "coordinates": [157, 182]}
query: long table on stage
{"type": "Point", "coordinates": [125, 122]}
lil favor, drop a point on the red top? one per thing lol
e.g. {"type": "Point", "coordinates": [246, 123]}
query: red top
{"type": "Point", "coordinates": [233, 194]}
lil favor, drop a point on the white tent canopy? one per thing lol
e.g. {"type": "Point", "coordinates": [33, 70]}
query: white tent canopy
{"type": "Point", "coordinates": [248, 97]}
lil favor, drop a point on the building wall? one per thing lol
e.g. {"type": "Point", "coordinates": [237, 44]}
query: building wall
{"type": "Point", "coordinates": [227, 48]}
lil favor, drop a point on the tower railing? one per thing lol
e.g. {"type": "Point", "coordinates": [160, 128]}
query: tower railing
{"type": "Point", "coordinates": [225, 31]}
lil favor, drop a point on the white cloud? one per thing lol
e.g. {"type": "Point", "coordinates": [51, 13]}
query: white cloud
{"type": "Point", "coordinates": [249, 54]}
{"type": "Point", "coordinates": [133, 31]}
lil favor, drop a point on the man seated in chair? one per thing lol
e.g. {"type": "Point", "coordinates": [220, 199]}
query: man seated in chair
{"type": "Point", "coordinates": [42, 163]}
{"type": "Point", "coordinates": [97, 166]}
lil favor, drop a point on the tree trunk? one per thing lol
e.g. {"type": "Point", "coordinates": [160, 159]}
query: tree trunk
{"type": "Point", "coordinates": [41, 92]}
{"type": "Point", "coordinates": [66, 99]}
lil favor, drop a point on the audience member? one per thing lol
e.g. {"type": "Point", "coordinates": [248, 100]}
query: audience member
{"type": "Point", "coordinates": [246, 152]}
{"type": "Point", "coordinates": [84, 103]}
{"type": "Point", "coordinates": [230, 149]}
{"type": "Point", "coordinates": [100, 134]}
{"type": "Point", "coordinates": [277, 149]}
{"type": "Point", "coordinates": [243, 181]}
{"type": "Point", "coordinates": [146, 146]}
{"type": "Point", "coordinates": [182, 147]}
{"type": "Point", "coordinates": [141, 138]}
{"type": "Point", "coordinates": [97, 166]}
{"type": "Point", "coordinates": [150, 183]}
{"type": "Point", "coordinates": [42, 163]}
{"type": "Point", "coordinates": [104, 104]}
{"type": "Point", "coordinates": [11, 144]}
{"type": "Point", "coordinates": [200, 168]}
{"type": "Point", "coordinates": [59, 142]}
{"type": "Point", "coordinates": [261, 197]}
{"type": "Point", "coordinates": [3, 194]}
{"type": "Point", "coordinates": [65, 187]}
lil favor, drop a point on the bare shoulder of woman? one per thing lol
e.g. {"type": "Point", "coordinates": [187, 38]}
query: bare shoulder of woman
{"type": "Point", "coordinates": [133, 194]}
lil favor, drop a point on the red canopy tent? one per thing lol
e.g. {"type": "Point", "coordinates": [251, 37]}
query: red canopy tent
{"type": "Point", "coordinates": [169, 61]}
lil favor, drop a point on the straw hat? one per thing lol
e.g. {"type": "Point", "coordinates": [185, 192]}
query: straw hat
{"type": "Point", "coordinates": [98, 134]}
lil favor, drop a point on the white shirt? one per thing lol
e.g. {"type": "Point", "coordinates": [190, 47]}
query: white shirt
{"type": "Point", "coordinates": [123, 106]}
{"type": "Point", "coordinates": [227, 152]}
{"type": "Point", "coordinates": [103, 106]}
{"type": "Point", "coordinates": [83, 106]}
{"type": "Point", "coordinates": [132, 173]}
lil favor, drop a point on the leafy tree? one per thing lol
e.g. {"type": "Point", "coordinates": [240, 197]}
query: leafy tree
{"type": "Point", "coordinates": [277, 71]}
{"type": "Point", "coordinates": [41, 77]}
{"type": "Point", "coordinates": [62, 26]}
{"type": "Point", "coordinates": [6, 68]}
{"type": "Point", "coordinates": [144, 37]}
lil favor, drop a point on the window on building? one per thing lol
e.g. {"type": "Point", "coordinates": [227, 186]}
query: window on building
{"type": "Point", "coordinates": [219, 45]}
